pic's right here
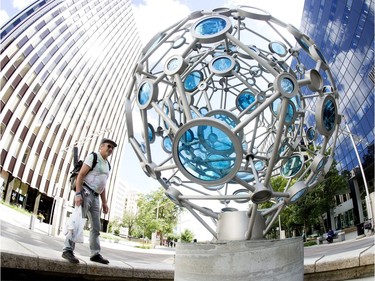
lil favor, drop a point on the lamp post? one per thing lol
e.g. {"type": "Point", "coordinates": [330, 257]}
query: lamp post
{"type": "Point", "coordinates": [368, 199]}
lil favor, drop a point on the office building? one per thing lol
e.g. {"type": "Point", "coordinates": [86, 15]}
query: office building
{"type": "Point", "coordinates": [344, 31]}
{"type": "Point", "coordinates": [65, 67]}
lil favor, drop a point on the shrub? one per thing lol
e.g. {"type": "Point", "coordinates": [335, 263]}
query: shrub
{"type": "Point", "coordinates": [309, 243]}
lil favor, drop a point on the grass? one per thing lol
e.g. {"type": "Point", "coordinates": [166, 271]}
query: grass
{"type": "Point", "coordinates": [146, 247]}
{"type": "Point", "coordinates": [309, 243]}
{"type": "Point", "coordinates": [18, 209]}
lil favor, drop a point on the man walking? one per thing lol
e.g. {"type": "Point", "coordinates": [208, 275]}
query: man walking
{"type": "Point", "coordinates": [90, 184]}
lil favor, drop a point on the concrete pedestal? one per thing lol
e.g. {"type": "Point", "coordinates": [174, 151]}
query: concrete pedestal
{"type": "Point", "coordinates": [260, 260]}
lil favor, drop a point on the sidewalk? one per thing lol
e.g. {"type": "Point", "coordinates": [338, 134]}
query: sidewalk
{"type": "Point", "coordinates": [354, 263]}
{"type": "Point", "coordinates": [24, 220]}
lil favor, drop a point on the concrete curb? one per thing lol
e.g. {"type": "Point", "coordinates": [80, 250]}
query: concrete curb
{"type": "Point", "coordinates": [355, 264]}
{"type": "Point", "coordinates": [50, 262]}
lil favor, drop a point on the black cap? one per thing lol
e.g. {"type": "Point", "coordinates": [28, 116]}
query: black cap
{"type": "Point", "coordinates": [108, 141]}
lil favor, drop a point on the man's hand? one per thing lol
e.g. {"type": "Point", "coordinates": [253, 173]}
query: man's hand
{"type": "Point", "coordinates": [105, 208]}
{"type": "Point", "coordinates": [78, 200]}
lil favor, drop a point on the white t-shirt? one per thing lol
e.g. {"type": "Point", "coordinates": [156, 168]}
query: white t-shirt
{"type": "Point", "coordinates": [97, 178]}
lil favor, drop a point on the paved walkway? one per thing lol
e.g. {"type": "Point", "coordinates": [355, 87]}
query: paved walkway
{"type": "Point", "coordinates": [316, 263]}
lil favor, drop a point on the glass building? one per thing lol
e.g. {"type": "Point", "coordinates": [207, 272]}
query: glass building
{"type": "Point", "coordinates": [344, 31]}
{"type": "Point", "coordinates": [65, 66]}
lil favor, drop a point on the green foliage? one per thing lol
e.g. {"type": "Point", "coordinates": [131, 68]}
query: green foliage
{"type": "Point", "coordinates": [129, 220]}
{"type": "Point", "coordinates": [308, 211]}
{"type": "Point", "coordinates": [114, 225]}
{"type": "Point", "coordinates": [319, 200]}
{"type": "Point", "coordinates": [156, 213]}
{"type": "Point", "coordinates": [187, 236]}
{"type": "Point", "coordinates": [309, 243]}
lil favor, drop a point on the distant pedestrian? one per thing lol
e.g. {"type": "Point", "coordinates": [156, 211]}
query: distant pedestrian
{"type": "Point", "coordinates": [330, 236]}
{"type": "Point", "coordinates": [89, 185]}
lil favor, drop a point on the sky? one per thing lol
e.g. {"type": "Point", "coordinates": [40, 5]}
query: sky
{"type": "Point", "coordinates": [149, 12]}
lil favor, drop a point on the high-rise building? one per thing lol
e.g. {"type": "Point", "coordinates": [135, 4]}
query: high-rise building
{"type": "Point", "coordinates": [65, 67]}
{"type": "Point", "coordinates": [344, 31]}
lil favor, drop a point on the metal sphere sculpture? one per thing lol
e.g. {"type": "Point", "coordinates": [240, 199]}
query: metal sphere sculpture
{"type": "Point", "coordinates": [218, 106]}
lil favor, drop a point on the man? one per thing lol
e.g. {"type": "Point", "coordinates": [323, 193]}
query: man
{"type": "Point", "coordinates": [89, 185]}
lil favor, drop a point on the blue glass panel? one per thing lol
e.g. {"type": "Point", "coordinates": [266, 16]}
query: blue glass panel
{"type": "Point", "coordinates": [215, 139]}
{"type": "Point", "coordinates": [259, 165]}
{"type": "Point", "coordinates": [143, 147]}
{"type": "Point", "coordinates": [278, 48]}
{"type": "Point", "coordinates": [218, 161]}
{"type": "Point", "coordinates": [327, 89]}
{"type": "Point", "coordinates": [207, 154]}
{"type": "Point", "coordinates": [245, 176]}
{"type": "Point", "coordinates": [210, 26]}
{"type": "Point", "coordinates": [192, 80]}
{"type": "Point", "coordinates": [167, 144]}
{"type": "Point", "coordinates": [297, 101]}
{"type": "Point", "coordinates": [284, 148]}
{"type": "Point", "coordinates": [166, 108]}
{"type": "Point", "coordinates": [287, 85]}
{"type": "Point", "coordinates": [310, 134]}
{"type": "Point", "coordinates": [305, 45]}
{"type": "Point", "coordinates": [244, 100]}
{"type": "Point", "coordinates": [320, 55]}
{"type": "Point", "coordinates": [203, 110]}
{"type": "Point", "coordinates": [188, 136]}
{"type": "Point", "coordinates": [151, 135]}
{"type": "Point", "coordinates": [172, 64]}
{"type": "Point", "coordinates": [298, 195]}
{"type": "Point", "coordinates": [329, 114]}
{"type": "Point", "coordinates": [289, 114]}
{"type": "Point", "coordinates": [321, 164]}
{"type": "Point", "coordinates": [275, 105]}
{"type": "Point", "coordinates": [222, 64]}
{"type": "Point", "coordinates": [144, 93]}
{"type": "Point", "coordinates": [292, 166]}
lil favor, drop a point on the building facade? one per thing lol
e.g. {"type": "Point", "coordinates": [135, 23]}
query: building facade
{"type": "Point", "coordinates": [344, 30]}
{"type": "Point", "coordinates": [65, 67]}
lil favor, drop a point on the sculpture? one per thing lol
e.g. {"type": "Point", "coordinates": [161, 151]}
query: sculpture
{"type": "Point", "coordinates": [224, 107]}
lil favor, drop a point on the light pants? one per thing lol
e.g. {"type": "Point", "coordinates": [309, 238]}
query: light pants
{"type": "Point", "coordinates": [90, 209]}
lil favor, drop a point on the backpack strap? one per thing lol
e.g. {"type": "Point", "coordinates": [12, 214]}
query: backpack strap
{"type": "Point", "coordinates": [95, 161]}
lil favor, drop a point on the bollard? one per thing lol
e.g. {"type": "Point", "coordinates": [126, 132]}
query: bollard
{"type": "Point", "coordinates": [32, 221]}
{"type": "Point", "coordinates": [341, 236]}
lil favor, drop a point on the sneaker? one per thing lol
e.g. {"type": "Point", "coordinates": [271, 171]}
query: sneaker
{"type": "Point", "coordinates": [68, 255]}
{"type": "Point", "coordinates": [98, 258]}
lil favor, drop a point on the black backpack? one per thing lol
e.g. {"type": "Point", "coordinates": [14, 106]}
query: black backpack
{"type": "Point", "coordinates": [77, 167]}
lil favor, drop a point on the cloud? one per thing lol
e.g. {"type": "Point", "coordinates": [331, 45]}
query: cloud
{"type": "Point", "coordinates": [22, 4]}
{"type": "Point", "coordinates": [287, 11]}
{"type": "Point", "coordinates": [4, 17]}
{"type": "Point", "coordinates": [154, 16]}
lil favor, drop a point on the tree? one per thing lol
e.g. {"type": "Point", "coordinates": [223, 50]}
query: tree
{"type": "Point", "coordinates": [310, 209]}
{"type": "Point", "coordinates": [114, 225]}
{"type": "Point", "coordinates": [156, 213]}
{"type": "Point", "coordinates": [129, 221]}
{"type": "Point", "coordinates": [187, 236]}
